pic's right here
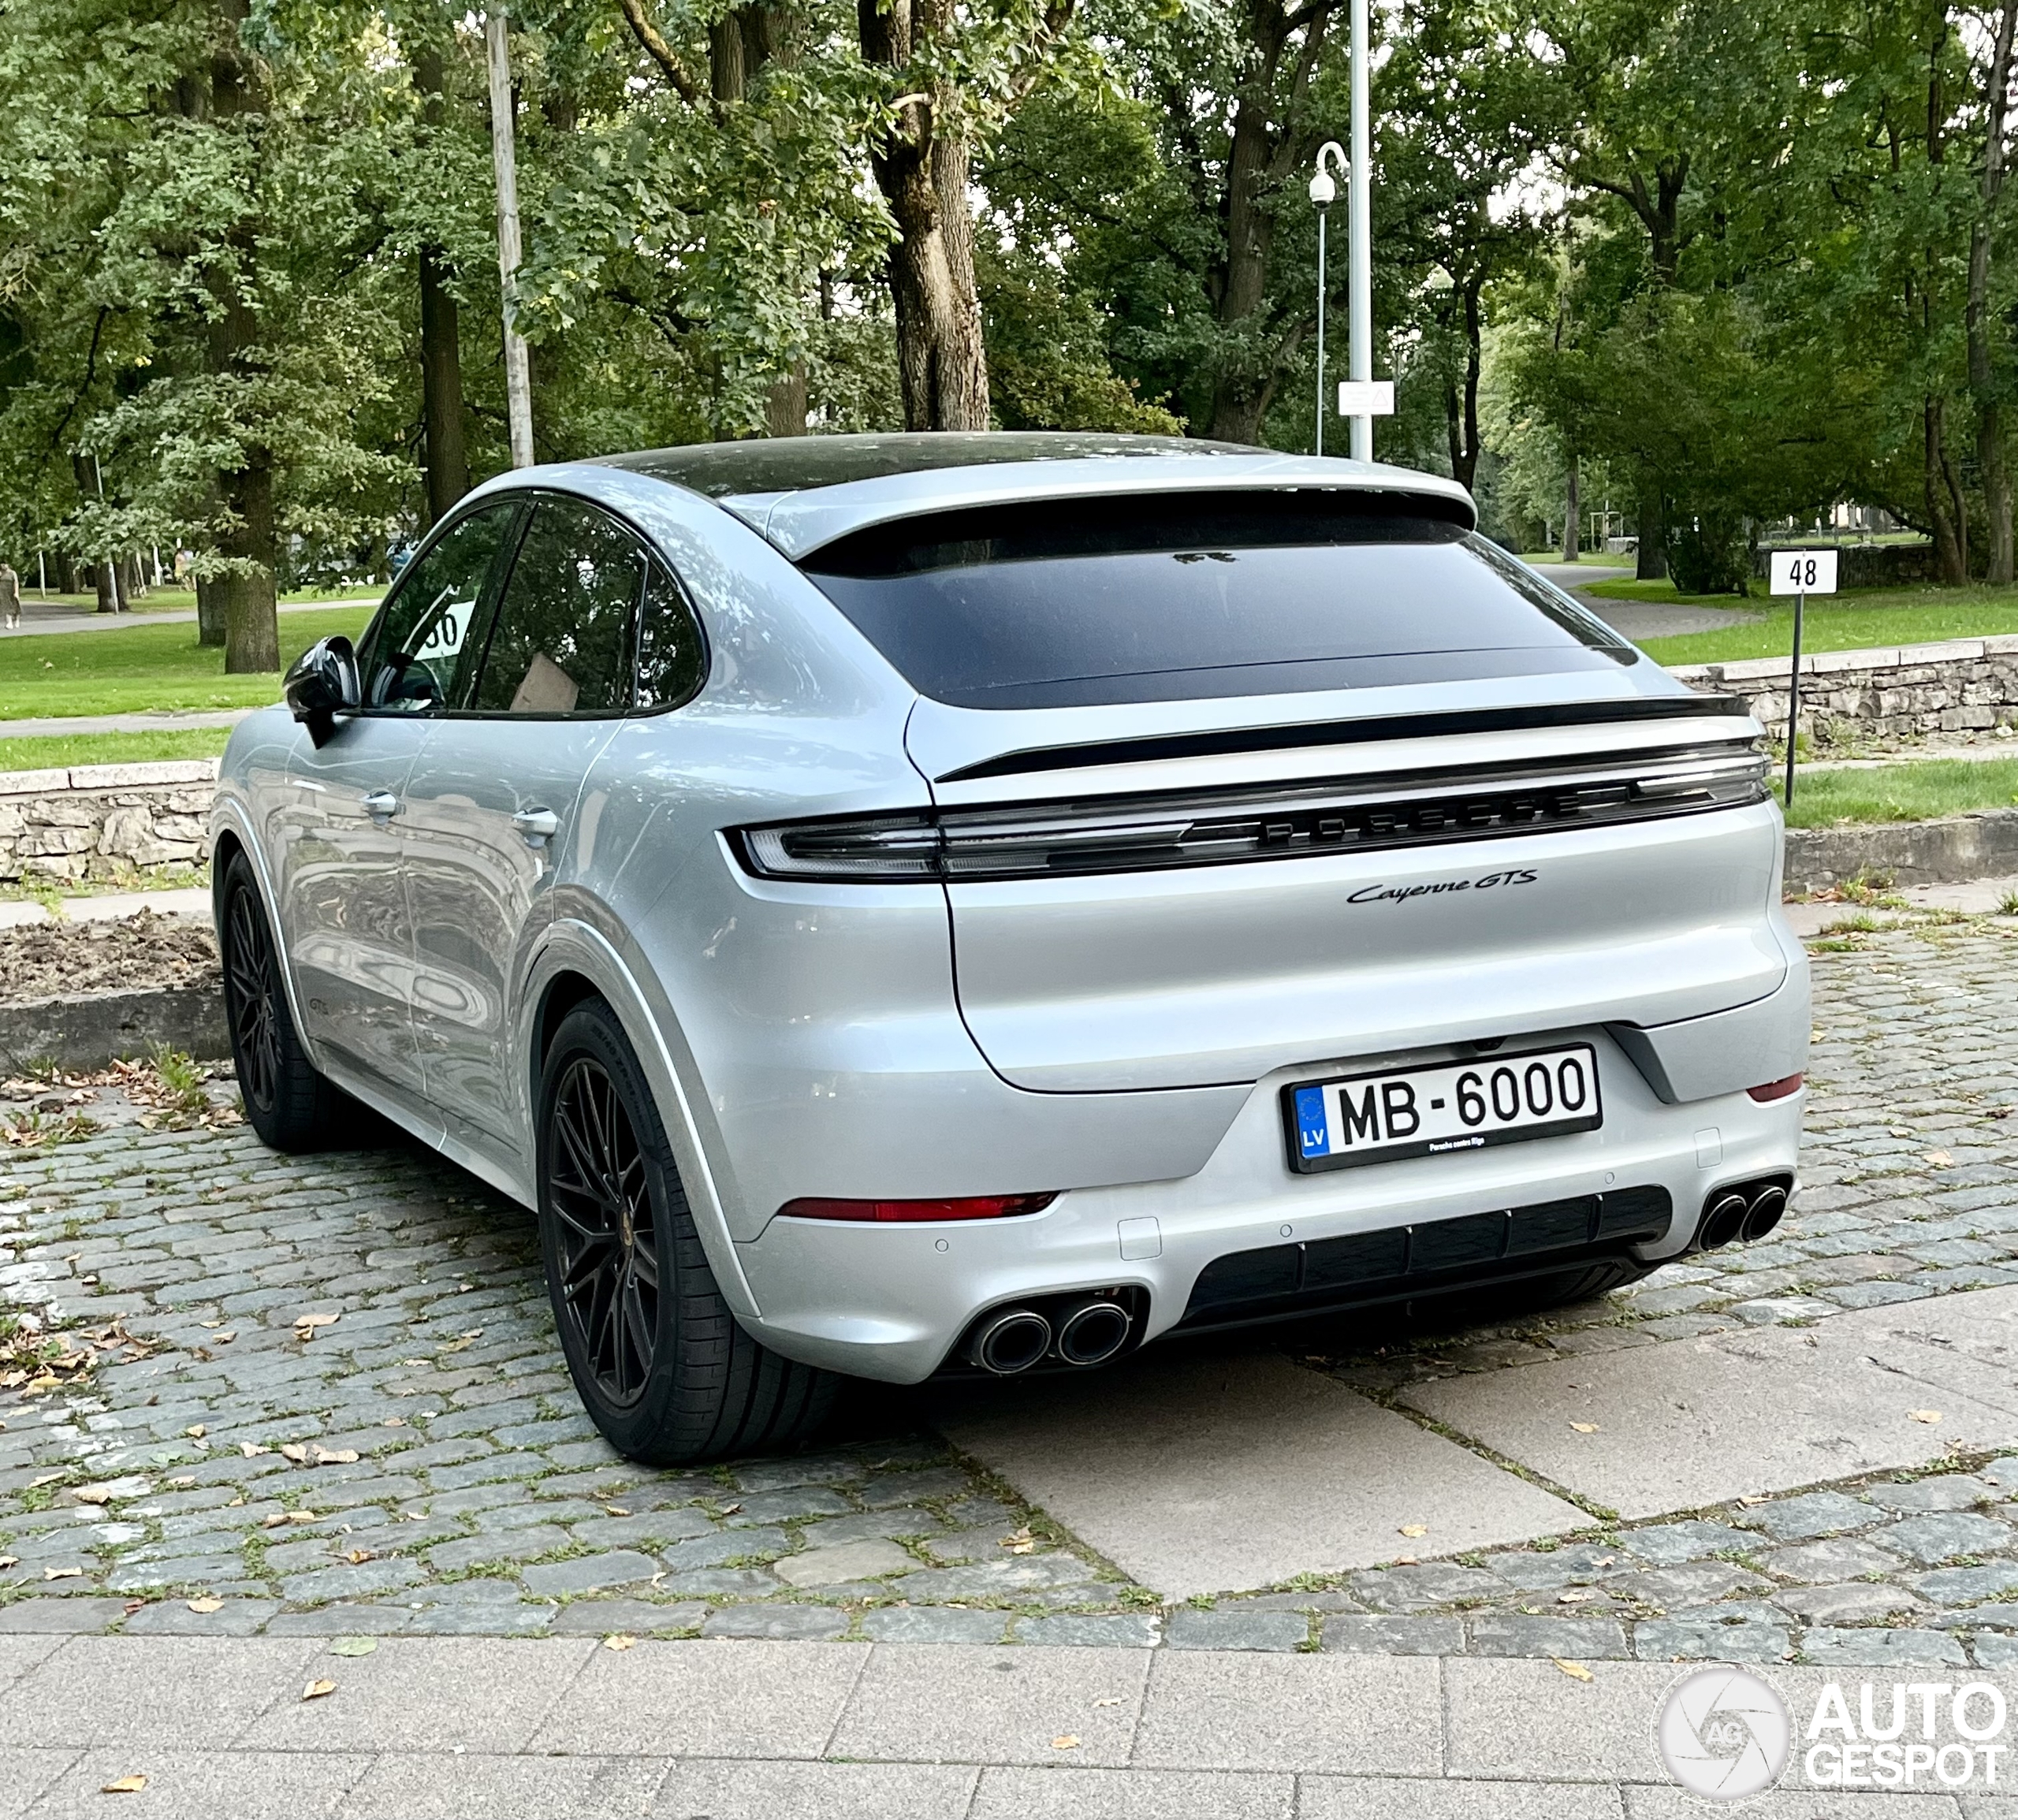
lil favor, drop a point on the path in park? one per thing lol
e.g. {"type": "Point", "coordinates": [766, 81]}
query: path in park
{"type": "Point", "coordinates": [40, 617]}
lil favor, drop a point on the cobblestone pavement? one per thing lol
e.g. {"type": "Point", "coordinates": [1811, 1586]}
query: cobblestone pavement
{"type": "Point", "coordinates": [324, 1396]}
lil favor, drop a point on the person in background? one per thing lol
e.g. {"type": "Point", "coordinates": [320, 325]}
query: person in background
{"type": "Point", "coordinates": [10, 596]}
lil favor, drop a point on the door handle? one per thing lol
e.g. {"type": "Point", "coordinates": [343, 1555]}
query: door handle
{"type": "Point", "coordinates": [381, 806]}
{"type": "Point", "coordinates": [538, 825]}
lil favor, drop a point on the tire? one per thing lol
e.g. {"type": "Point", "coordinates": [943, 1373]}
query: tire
{"type": "Point", "coordinates": [290, 1105]}
{"type": "Point", "coordinates": [664, 1368]}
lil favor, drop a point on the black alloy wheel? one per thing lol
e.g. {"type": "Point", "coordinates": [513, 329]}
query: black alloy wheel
{"type": "Point", "coordinates": [605, 1233]}
{"type": "Point", "coordinates": [249, 992]}
{"type": "Point", "coordinates": [663, 1367]}
{"type": "Point", "coordinates": [288, 1102]}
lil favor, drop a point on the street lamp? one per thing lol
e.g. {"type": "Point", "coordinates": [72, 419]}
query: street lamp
{"type": "Point", "coordinates": [1323, 193]}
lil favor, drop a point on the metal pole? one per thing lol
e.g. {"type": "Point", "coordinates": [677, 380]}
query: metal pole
{"type": "Point", "coordinates": [1359, 229]}
{"type": "Point", "coordinates": [1321, 213]}
{"type": "Point", "coordinates": [41, 572]}
{"type": "Point", "coordinates": [1793, 695]}
{"type": "Point", "coordinates": [518, 376]}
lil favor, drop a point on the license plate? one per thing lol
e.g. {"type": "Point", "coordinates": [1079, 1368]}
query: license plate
{"type": "Point", "coordinates": [1426, 1111]}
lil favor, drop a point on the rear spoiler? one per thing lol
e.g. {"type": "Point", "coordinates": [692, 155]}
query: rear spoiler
{"type": "Point", "coordinates": [1434, 726]}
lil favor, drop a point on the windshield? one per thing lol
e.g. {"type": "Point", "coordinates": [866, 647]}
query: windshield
{"type": "Point", "coordinates": [1050, 604]}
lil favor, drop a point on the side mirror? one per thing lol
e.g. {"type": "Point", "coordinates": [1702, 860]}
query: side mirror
{"type": "Point", "coordinates": [322, 684]}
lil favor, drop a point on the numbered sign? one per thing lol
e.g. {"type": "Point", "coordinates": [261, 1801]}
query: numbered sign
{"type": "Point", "coordinates": [1366, 398]}
{"type": "Point", "coordinates": [1803, 571]}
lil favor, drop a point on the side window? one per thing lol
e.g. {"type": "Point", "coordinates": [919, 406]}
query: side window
{"type": "Point", "coordinates": [423, 639]}
{"type": "Point", "coordinates": [561, 644]}
{"type": "Point", "coordinates": [670, 656]}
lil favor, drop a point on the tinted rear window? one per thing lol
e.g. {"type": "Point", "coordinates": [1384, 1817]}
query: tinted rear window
{"type": "Point", "coordinates": [1045, 605]}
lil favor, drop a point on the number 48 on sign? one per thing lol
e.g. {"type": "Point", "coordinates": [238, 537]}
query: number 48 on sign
{"type": "Point", "coordinates": [1803, 571]}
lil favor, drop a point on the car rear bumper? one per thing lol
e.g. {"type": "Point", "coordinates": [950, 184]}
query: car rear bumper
{"type": "Point", "coordinates": [892, 1302]}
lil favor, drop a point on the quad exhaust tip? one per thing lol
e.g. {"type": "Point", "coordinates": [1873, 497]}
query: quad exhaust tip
{"type": "Point", "coordinates": [1746, 1212]}
{"type": "Point", "coordinates": [1092, 1333]}
{"type": "Point", "coordinates": [1011, 1342]}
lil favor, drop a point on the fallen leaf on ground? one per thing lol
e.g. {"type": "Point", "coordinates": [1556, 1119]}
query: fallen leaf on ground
{"type": "Point", "coordinates": [614, 1510]}
{"type": "Point", "coordinates": [1941, 1160]}
{"type": "Point", "coordinates": [318, 1690]}
{"type": "Point", "coordinates": [182, 1483]}
{"type": "Point", "coordinates": [620, 1643]}
{"type": "Point", "coordinates": [1404, 1561]}
{"type": "Point", "coordinates": [1415, 1529]}
{"type": "Point", "coordinates": [394, 1422]}
{"type": "Point", "coordinates": [333, 1456]}
{"type": "Point", "coordinates": [46, 1479]}
{"type": "Point", "coordinates": [62, 1573]}
{"type": "Point", "coordinates": [1576, 1671]}
{"type": "Point", "coordinates": [1019, 1541]}
{"type": "Point", "coordinates": [1108, 1700]}
{"type": "Point", "coordinates": [94, 1494]}
{"type": "Point", "coordinates": [1584, 1427]}
{"type": "Point", "coordinates": [10, 1560]}
{"type": "Point", "coordinates": [353, 1646]}
{"type": "Point", "coordinates": [1575, 1596]}
{"type": "Point", "coordinates": [294, 1451]}
{"type": "Point", "coordinates": [223, 1339]}
{"type": "Point", "coordinates": [207, 1604]}
{"type": "Point", "coordinates": [124, 1785]}
{"type": "Point", "coordinates": [299, 1516]}
{"type": "Point", "coordinates": [1929, 1416]}
{"type": "Point", "coordinates": [306, 1324]}
{"type": "Point", "coordinates": [195, 1432]}
{"type": "Point", "coordinates": [1067, 1741]}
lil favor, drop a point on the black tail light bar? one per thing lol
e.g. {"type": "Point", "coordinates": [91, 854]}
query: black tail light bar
{"type": "Point", "coordinates": [1220, 827]}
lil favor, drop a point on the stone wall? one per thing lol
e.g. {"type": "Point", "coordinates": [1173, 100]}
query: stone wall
{"type": "Point", "coordinates": [1965, 686]}
{"type": "Point", "coordinates": [103, 820]}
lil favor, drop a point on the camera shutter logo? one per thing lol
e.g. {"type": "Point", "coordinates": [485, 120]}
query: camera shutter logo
{"type": "Point", "coordinates": [1724, 1734]}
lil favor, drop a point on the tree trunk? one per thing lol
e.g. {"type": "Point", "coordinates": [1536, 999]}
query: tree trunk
{"type": "Point", "coordinates": [441, 335]}
{"type": "Point", "coordinates": [441, 388]}
{"type": "Point", "coordinates": [133, 583]}
{"type": "Point", "coordinates": [67, 580]}
{"type": "Point", "coordinates": [1651, 563]}
{"type": "Point", "coordinates": [1947, 509]}
{"type": "Point", "coordinates": [1236, 392]}
{"type": "Point", "coordinates": [1572, 515]}
{"type": "Point", "coordinates": [209, 612]}
{"type": "Point", "coordinates": [105, 577]}
{"type": "Point", "coordinates": [784, 409]}
{"type": "Point", "coordinates": [942, 366]}
{"type": "Point", "coordinates": [1990, 466]}
{"type": "Point", "coordinates": [251, 628]}
{"type": "Point", "coordinates": [252, 634]}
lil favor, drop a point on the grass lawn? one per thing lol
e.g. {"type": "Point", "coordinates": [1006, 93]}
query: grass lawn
{"type": "Point", "coordinates": [1916, 792]}
{"type": "Point", "coordinates": [141, 667]}
{"type": "Point", "coordinates": [171, 599]}
{"type": "Point", "coordinates": [1847, 621]}
{"type": "Point", "coordinates": [65, 749]}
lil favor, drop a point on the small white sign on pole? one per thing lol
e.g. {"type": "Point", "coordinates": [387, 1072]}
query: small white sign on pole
{"type": "Point", "coordinates": [1803, 571]}
{"type": "Point", "coordinates": [1366, 398]}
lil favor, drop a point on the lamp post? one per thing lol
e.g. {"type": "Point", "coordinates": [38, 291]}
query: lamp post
{"type": "Point", "coordinates": [518, 372]}
{"type": "Point", "coordinates": [1361, 227]}
{"type": "Point", "coordinates": [1323, 193]}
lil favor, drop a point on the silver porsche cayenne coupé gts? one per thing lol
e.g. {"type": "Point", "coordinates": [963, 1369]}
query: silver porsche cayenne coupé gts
{"type": "Point", "coordinates": [903, 906]}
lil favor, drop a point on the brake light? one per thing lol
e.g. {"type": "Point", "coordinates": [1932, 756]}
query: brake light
{"type": "Point", "coordinates": [1777, 1089]}
{"type": "Point", "coordinates": [966, 1207]}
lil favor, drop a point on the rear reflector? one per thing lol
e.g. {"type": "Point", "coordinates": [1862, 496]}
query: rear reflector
{"type": "Point", "coordinates": [969, 1206]}
{"type": "Point", "coordinates": [1778, 1089]}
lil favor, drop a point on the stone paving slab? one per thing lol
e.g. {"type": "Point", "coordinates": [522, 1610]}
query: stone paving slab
{"type": "Point", "coordinates": [1677, 1428]}
{"type": "Point", "coordinates": [1229, 1472]}
{"type": "Point", "coordinates": [1086, 1734]}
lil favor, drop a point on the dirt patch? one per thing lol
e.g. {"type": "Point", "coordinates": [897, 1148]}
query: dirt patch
{"type": "Point", "coordinates": [65, 960]}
